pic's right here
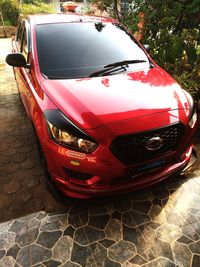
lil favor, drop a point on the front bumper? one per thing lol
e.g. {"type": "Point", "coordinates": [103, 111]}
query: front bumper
{"type": "Point", "coordinates": [124, 184]}
{"type": "Point", "coordinates": [101, 173]}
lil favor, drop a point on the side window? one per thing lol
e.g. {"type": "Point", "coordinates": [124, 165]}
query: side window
{"type": "Point", "coordinates": [19, 35]}
{"type": "Point", "coordinates": [24, 47]}
{"type": "Point", "coordinates": [25, 44]}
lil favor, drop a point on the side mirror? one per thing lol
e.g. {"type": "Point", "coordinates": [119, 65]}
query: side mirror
{"type": "Point", "coordinates": [17, 60]}
{"type": "Point", "coordinates": [147, 47]}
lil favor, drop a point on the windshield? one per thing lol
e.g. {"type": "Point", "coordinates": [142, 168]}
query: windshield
{"type": "Point", "coordinates": [76, 50]}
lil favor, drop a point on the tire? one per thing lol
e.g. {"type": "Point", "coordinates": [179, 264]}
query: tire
{"type": "Point", "coordinates": [47, 183]}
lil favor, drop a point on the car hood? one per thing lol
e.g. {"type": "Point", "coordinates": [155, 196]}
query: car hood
{"type": "Point", "coordinates": [92, 102]}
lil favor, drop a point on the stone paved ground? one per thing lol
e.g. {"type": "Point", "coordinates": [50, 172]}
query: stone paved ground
{"type": "Point", "coordinates": [155, 227]}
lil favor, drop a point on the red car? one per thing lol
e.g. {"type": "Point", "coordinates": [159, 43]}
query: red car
{"type": "Point", "coordinates": [107, 118]}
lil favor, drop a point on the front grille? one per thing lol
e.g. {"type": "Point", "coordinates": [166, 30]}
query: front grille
{"type": "Point", "coordinates": [77, 175]}
{"type": "Point", "coordinates": [132, 148]}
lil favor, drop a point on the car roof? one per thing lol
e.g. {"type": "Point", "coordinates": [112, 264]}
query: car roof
{"type": "Point", "coordinates": [67, 17]}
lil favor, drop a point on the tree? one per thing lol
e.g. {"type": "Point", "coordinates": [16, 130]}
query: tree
{"type": "Point", "coordinates": [10, 10]}
{"type": "Point", "coordinates": [111, 6]}
{"type": "Point", "coordinates": [171, 28]}
{"type": "Point", "coordinates": [172, 31]}
{"type": "Point", "coordinates": [167, 24]}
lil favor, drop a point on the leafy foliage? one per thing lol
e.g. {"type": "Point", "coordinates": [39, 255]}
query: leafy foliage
{"type": "Point", "coordinates": [37, 8]}
{"type": "Point", "coordinates": [103, 4]}
{"type": "Point", "coordinates": [10, 10]}
{"type": "Point", "coordinates": [111, 6]}
{"type": "Point", "coordinates": [172, 31]}
{"type": "Point", "coordinates": [35, 2]}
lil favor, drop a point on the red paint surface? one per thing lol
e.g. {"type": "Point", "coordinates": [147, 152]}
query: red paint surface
{"type": "Point", "coordinates": [104, 107]}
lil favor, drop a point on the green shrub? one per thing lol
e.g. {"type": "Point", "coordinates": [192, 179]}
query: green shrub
{"type": "Point", "coordinates": [7, 23]}
{"type": "Point", "coordinates": [172, 31]}
{"type": "Point", "coordinates": [188, 76]}
{"type": "Point", "coordinates": [34, 2]}
{"type": "Point", "coordinates": [37, 8]}
{"type": "Point", "coordinates": [10, 10]}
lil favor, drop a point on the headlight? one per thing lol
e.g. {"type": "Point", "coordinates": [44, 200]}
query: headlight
{"type": "Point", "coordinates": [193, 113]}
{"type": "Point", "coordinates": [65, 133]}
{"type": "Point", "coordinates": [193, 120]}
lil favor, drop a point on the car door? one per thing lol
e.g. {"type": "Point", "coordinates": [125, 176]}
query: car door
{"type": "Point", "coordinates": [22, 45]}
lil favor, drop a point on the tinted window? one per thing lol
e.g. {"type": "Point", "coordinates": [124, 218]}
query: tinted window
{"type": "Point", "coordinates": [25, 44]}
{"type": "Point", "coordinates": [73, 50]}
{"type": "Point", "coordinates": [19, 35]}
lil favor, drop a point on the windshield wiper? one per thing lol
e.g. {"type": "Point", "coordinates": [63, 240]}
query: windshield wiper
{"type": "Point", "coordinates": [108, 71]}
{"type": "Point", "coordinates": [125, 63]}
{"type": "Point", "coordinates": [110, 68]}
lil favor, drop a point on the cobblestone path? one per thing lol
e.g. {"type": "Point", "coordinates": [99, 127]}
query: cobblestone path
{"type": "Point", "coordinates": [155, 227]}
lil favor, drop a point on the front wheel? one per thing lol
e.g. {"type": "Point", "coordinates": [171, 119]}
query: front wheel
{"type": "Point", "coordinates": [46, 182]}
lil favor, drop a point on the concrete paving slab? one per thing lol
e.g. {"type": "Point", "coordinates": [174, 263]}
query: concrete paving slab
{"type": "Point", "coordinates": [158, 226]}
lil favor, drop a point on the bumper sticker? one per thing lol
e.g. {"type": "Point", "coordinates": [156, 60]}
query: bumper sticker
{"type": "Point", "coordinates": [74, 154]}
